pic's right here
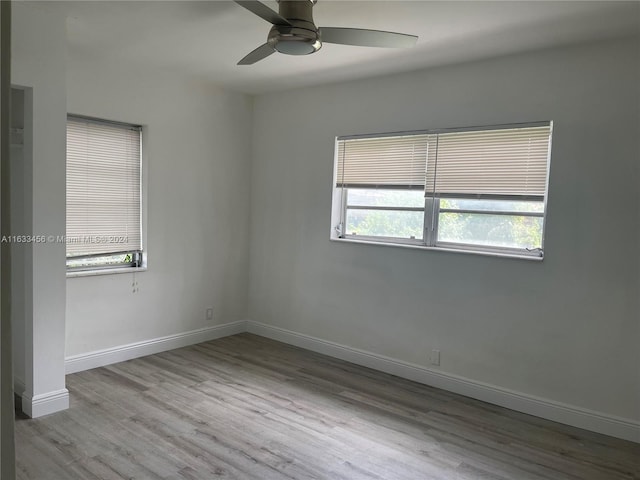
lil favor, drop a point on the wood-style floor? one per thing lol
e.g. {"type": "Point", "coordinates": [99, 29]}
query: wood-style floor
{"type": "Point", "coordinates": [245, 407]}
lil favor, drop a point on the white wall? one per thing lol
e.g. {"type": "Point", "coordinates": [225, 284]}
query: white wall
{"type": "Point", "coordinates": [18, 250]}
{"type": "Point", "coordinates": [38, 62]}
{"type": "Point", "coordinates": [565, 329]}
{"type": "Point", "coordinates": [197, 149]}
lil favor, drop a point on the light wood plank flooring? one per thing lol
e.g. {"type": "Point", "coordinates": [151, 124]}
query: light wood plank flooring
{"type": "Point", "coordinates": [245, 407]}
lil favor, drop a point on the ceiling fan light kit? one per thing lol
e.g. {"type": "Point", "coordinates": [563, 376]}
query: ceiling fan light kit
{"type": "Point", "coordinates": [294, 41]}
{"type": "Point", "coordinates": [294, 32]}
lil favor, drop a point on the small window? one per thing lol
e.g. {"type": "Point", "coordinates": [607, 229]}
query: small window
{"type": "Point", "coordinates": [104, 222]}
{"type": "Point", "coordinates": [474, 190]}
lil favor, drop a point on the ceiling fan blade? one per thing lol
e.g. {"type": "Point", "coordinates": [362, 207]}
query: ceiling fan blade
{"type": "Point", "coordinates": [263, 51]}
{"type": "Point", "coordinates": [261, 10]}
{"type": "Point", "coordinates": [367, 38]}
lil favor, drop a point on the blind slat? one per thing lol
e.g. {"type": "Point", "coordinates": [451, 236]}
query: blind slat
{"type": "Point", "coordinates": [103, 188]}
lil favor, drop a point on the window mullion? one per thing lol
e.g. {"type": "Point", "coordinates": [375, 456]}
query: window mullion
{"type": "Point", "coordinates": [431, 206]}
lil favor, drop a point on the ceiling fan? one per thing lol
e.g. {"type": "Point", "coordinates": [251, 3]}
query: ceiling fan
{"type": "Point", "coordinates": [294, 32]}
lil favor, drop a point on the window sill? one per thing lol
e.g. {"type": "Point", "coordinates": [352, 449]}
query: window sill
{"type": "Point", "coordinates": [104, 271]}
{"type": "Point", "coordinates": [534, 258]}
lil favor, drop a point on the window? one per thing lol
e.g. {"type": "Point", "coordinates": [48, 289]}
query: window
{"type": "Point", "coordinates": [468, 189]}
{"type": "Point", "coordinates": [104, 221]}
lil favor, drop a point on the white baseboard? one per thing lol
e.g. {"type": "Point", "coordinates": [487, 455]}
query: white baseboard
{"type": "Point", "coordinates": [568, 414]}
{"type": "Point", "coordinates": [45, 403]}
{"type": "Point", "coordinates": [540, 407]}
{"type": "Point", "coordinates": [100, 358]}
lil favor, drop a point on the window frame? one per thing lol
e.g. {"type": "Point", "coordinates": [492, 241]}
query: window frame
{"type": "Point", "coordinates": [139, 257]}
{"type": "Point", "coordinates": [432, 208]}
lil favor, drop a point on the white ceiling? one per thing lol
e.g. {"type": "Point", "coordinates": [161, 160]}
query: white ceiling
{"type": "Point", "coordinates": [207, 38]}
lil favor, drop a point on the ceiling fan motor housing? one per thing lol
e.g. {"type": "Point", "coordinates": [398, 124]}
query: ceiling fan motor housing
{"type": "Point", "coordinates": [302, 37]}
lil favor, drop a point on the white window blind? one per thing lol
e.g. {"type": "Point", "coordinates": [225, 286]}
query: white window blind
{"type": "Point", "coordinates": [382, 162]}
{"type": "Point", "coordinates": [103, 188]}
{"type": "Point", "coordinates": [506, 161]}
{"type": "Point", "coordinates": [509, 161]}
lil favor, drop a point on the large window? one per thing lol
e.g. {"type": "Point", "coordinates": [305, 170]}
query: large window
{"type": "Point", "coordinates": [104, 224]}
{"type": "Point", "coordinates": [467, 189]}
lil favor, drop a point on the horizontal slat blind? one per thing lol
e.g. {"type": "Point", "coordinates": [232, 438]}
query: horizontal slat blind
{"type": "Point", "coordinates": [494, 162]}
{"type": "Point", "coordinates": [383, 162]}
{"type": "Point", "coordinates": [103, 188]}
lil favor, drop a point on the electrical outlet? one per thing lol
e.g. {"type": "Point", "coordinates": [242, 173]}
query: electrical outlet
{"type": "Point", "coordinates": [210, 313]}
{"type": "Point", "coordinates": [435, 357]}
